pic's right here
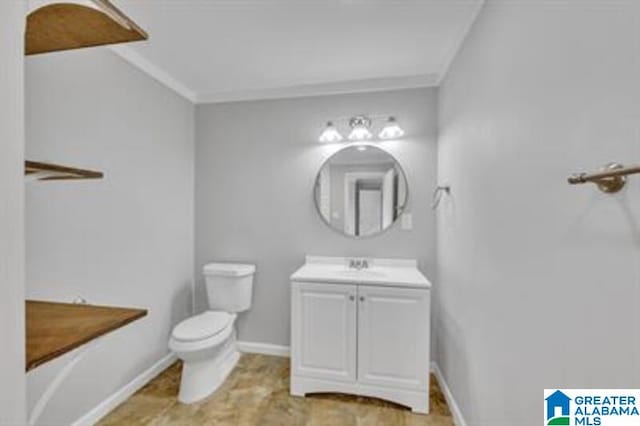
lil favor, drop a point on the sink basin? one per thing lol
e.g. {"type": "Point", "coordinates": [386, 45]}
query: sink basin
{"type": "Point", "coordinates": [361, 273]}
{"type": "Point", "coordinates": [382, 272]}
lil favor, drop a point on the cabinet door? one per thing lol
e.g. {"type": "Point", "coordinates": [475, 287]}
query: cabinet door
{"type": "Point", "coordinates": [323, 328]}
{"type": "Point", "coordinates": [393, 337]}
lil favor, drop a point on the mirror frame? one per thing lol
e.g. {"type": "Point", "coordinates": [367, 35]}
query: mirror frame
{"type": "Point", "coordinates": [342, 232]}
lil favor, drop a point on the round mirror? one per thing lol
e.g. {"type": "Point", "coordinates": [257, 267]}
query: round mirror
{"type": "Point", "coordinates": [361, 190]}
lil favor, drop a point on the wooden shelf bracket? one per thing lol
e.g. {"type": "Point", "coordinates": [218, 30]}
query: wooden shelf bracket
{"type": "Point", "coordinates": [69, 25]}
{"type": "Point", "coordinates": [35, 170]}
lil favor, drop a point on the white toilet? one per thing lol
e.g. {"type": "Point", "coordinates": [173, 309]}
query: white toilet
{"type": "Point", "coordinates": [206, 343]}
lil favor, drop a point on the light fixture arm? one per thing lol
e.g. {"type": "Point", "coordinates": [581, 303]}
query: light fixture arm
{"type": "Point", "coordinates": [360, 121]}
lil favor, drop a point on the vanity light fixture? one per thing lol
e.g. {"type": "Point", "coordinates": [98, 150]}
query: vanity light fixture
{"type": "Point", "coordinates": [391, 130]}
{"type": "Point", "coordinates": [360, 128]}
{"type": "Point", "coordinates": [330, 134]}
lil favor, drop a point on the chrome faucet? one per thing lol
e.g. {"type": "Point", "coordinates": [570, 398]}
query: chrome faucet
{"type": "Point", "coordinates": [358, 264]}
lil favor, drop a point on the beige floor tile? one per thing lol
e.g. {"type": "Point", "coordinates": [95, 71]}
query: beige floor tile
{"type": "Point", "coordinates": [257, 394]}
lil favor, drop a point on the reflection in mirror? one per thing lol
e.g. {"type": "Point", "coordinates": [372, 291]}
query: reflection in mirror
{"type": "Point", "coordinates": [361, 190]}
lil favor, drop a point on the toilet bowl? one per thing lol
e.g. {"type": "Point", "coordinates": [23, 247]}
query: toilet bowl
{"type": "Point", "coordinates": [206, 343]}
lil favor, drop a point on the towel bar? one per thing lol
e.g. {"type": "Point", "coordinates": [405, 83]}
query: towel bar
{"type": "Point", "coordinates": [610, 179]}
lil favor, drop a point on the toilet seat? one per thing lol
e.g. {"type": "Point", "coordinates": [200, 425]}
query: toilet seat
{"type": "Point", "coordinates": [203, 326]}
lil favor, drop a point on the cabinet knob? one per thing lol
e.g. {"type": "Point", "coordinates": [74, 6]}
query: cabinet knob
{"type": "Point", "coordinates": [352, 297]}
{"type": "Point", "coordinates": [362, 298]}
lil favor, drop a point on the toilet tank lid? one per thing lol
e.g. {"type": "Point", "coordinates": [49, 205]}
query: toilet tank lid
{"type": "Point", "coordinates": [229, 269]}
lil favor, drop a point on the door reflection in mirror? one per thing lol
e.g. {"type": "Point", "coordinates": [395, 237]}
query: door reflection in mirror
{"type": "Point", "coordinates": [360, 192]}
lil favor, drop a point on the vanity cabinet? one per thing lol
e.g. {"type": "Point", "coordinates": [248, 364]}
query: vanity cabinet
{"type": "Point", "coordinates": [393, 337]}
{"type": "Point", "coordinates": [324, 326]}
{"type": "Point", "coordinates": [363, 339]}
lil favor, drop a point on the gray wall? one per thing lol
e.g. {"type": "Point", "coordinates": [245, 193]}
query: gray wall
{"type": "Point", "coordinates": [126, 240]}
{"type": "Point", "coordinates": [256, 164]}
{"type": "Point", "coordinates": [12, 381]}
{"type": "Point", "coordinates": [538, 280]}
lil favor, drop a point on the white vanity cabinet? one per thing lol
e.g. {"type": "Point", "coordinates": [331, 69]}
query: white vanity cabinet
{"type": "Point", "coordinates": [324, 327]}
{"type": "Point", "coordinates": [367, 338]}
{"type": "Point", "coordinates": [393, 337]}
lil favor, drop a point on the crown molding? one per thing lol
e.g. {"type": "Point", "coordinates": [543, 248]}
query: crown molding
{"type": "Point", "coordinates": [459, 41]}
{"type": "Point", "coordinates": [322, 89]}
{"type": "Point", "coordinates": [154, 71]}
{"type": "Point", "coordinates": [304, 90]}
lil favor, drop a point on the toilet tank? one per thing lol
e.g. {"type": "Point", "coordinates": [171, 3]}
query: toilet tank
{"type": "Point", "coordinates": [229, 286]}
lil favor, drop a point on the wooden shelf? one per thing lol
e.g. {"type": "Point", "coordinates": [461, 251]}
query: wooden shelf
{"type": "Point", "coordinates": [48, 171]}
{"type": "Point", "coordinates": [54, 329]}
{"type": "Point", "coordinates": [64, 26]}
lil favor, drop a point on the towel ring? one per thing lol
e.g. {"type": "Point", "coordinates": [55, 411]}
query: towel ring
{"type": "Point", "coordinates": [437, 195]}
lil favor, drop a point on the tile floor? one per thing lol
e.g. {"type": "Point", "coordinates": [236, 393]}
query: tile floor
{"type": "Point", "coordinates": [257, 394]}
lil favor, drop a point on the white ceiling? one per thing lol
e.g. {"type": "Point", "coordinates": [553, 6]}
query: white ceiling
{"type": "Point", "coordinates": [218, 50]}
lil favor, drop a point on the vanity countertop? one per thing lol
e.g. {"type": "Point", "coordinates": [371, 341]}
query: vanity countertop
{"type": "Point", "coordinates": [383, 272]}
{"type": "Point", "coordinates": [54, 329]}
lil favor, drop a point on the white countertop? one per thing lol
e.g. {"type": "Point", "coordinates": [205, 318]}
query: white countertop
{"type": "Point", "coordinates": [383, 272]}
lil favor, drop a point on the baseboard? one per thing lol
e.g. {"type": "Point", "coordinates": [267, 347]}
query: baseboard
{"type": "Point", "coordinates": [263, 348]}
{"type": "Point", "coordinates": [121, 395]}
{"type": "Point", "coordinates": [451, 402]}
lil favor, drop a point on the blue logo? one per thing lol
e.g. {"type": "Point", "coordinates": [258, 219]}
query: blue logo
{"type": "Point", "coordinates": [558, 409]}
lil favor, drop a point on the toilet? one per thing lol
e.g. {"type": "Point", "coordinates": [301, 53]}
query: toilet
{"type": "Point", "coordinates": [206, 343]}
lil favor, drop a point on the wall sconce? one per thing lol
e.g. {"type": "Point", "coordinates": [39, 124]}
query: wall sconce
{"type": "Point", "coordinates": [330, 134]}
{"type": "Point", "coordinates": [361, 126]}
{"type": "Point", "coordinates": [391, 130]}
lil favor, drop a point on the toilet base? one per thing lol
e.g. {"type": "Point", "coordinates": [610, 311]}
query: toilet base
{"type": "Point", "coordinates": [202, 378]}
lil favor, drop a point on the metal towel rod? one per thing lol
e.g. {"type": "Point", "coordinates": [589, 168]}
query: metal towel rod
{"type": "Point", "coordinates": [610, 179]}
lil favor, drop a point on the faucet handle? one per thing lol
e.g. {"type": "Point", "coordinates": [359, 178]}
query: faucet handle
{"type": "Point", "coordinates": [358, 264]}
